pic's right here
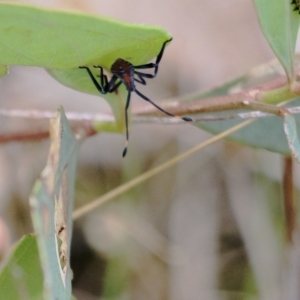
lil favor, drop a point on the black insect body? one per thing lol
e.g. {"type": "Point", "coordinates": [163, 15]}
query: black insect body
{"type": "Point", "coordinates": [297, 5]}
{"type": "Point", "coordinates": [126, 73]}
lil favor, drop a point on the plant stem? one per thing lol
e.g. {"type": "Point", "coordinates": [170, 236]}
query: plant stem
{"type": "Point", "coordinates": [82, 211]}
{"type": "Point", "coordinates": [288, 198]}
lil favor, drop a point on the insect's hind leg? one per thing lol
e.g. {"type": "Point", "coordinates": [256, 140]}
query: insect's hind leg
{"type": "Point", "coordinates": [161, 109]}
{"type": "Point", "coordinates": [115, 87]}
{"type": "Point", "coordinates": [126, 123]}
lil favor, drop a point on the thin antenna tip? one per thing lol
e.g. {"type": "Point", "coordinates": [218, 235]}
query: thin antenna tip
{"type": "Point", "coordinates": [124, 152]}
{"type": "Point", "coordinates": [187, 119]}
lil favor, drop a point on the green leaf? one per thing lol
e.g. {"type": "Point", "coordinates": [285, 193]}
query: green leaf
{"type": "Point", "coordinates": [290, 128]}
{"type": "Point", "coordinates": [116, 278]}
{"type": "Point", "coordinates": [52, 206]}
{"type": "Point", "coordinates": [3, 70]}
{"type": "Point", "coordinates": [62, 41]}
{"type": "Point", "coordinates": [264, 133]}
{"type": "Point", "coordinates": [21, 275]}
{"type": "Point", "coordinates": [280, 26]}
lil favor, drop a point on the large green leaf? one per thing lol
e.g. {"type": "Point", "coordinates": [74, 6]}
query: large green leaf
{"type": "Point", "coordinates": [52, 206]}
{"type": "Point", "coordinates": [3, 70]}
{"type": "Point", "coordinates": [62, 41]}
{"type": "Point", "coordinates": [21, 276]}
{"type": "Point", "coordinates": [280, 26]}
{"type": "Point", "coordinates": [34, 36]}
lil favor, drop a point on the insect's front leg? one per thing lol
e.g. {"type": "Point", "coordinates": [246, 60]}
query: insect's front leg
{"type": "Point", "coordinates": [103, 79]}
{"type": "Point", "coordinates": [115, 86]}
{"type": "Point", "coordinates": [108, 86]}
{"type": "Point", "coordinates": [153, 65]}
{"type": "Point", "coordinates": [99, 86]}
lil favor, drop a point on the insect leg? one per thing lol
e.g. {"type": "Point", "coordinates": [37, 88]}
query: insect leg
{"type": "Point", "coordinates": [140, 78]}
{"type": "Point", "coordinates": [158, 59]}
{"type": "Point", "coordinates": [146, 66]}
{"type": "Point", "coordinates": [98, 86]}
{"type": "Point", "coordinates": [146, 75]}
{"type": "Point", "coordinates": [161, 109]}
{"type": "Point", "coordinates": [126, 124]}
{"type": "Point", "coordinates": [159, 56]}
{"type": "Point", "coordinates": [103, 78]}
{"type": "Point", "coordinates": [115, 87]}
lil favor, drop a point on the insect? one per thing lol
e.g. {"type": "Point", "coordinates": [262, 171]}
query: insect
{"type": "Point", "coordinates": [297, 4]}
{"type": "Point", "coordinates": [124, 72]}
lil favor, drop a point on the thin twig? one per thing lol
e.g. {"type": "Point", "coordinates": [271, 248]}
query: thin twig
{"type": "Point", "coordinates": [80, 212]}
{"type": "Point", "coordinates": [26, 136]}
{"type": "Point", "coordinates": [288, 198]}
{"type": "Point", "coordinates": [108, 118]}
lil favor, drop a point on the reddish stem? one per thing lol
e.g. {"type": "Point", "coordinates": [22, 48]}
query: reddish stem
{"type": "Point", "coordinates": [84, 128]}
{"type": "Point", "coordinates": [288, 198]}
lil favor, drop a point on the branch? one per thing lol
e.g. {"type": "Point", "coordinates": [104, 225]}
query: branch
{"type": "Point", "coordinates": [259, 100]}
